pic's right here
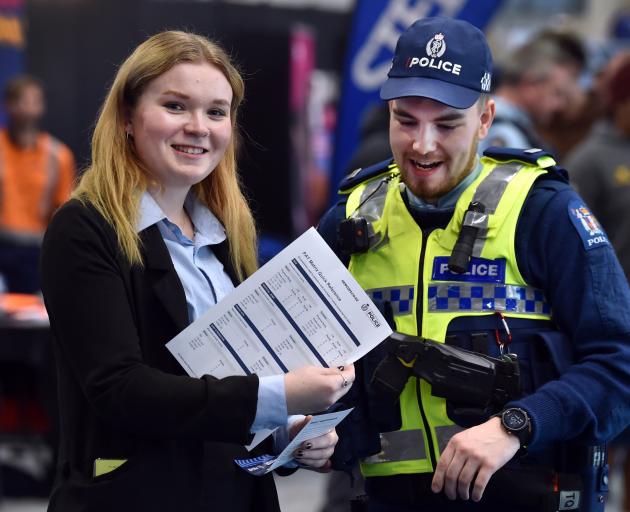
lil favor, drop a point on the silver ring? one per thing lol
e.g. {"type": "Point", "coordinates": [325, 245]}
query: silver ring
{"type": "Point", "coordinates": [345, 383]}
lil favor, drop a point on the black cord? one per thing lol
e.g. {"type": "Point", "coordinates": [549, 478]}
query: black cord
{"type": "Point", "coordinates": [387, 179]}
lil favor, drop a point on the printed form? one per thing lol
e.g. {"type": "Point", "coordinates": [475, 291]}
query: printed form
{"type": "Point", "coordinates": [302, 307]}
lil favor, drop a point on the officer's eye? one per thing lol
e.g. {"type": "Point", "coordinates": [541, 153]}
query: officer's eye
{"type": "Point", "coordinates": [406, 121]}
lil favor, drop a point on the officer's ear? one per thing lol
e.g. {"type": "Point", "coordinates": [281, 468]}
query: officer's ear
{"type": "Point", "coordinates": [487, 109]}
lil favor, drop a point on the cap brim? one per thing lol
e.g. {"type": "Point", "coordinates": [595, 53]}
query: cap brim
{"type": "Point", "coordinates": [450, 94]}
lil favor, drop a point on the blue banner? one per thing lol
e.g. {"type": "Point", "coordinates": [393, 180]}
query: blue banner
{"type": "Point", "coordinates": [377, 26]}
{"type": "Point", "coordinates": [12, 43]}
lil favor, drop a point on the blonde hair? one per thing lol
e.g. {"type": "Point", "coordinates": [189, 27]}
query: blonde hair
{"type": "Point", "coordinates": [115, 180]}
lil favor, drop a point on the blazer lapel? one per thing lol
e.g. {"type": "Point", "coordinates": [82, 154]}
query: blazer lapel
{"type": "Point", "coordinates": [166, 283]}
{"type": "Point", "coordinates": [222, 252]}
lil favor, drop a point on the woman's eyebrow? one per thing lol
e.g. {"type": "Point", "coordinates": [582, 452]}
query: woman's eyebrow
{"type": "Point", "coordinates": [172, 92]}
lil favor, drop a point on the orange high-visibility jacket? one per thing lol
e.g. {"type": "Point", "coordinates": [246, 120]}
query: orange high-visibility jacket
{"type": "Point", "coordinates": [34, 182]}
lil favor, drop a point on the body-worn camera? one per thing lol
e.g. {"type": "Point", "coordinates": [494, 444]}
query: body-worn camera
{"type": "Point", "coordinates": [353, 235]}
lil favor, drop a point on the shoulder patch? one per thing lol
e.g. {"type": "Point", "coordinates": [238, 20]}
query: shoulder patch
{"type": "Point", "coordinates": [532, 156]}
{"type": "Point", "coordinates": [363, 174]}
{"type": "Point", "coordinates": [586, 225]}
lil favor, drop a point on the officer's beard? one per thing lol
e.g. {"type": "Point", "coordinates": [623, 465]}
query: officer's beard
{"type": "Point", "coordinates": [471, 163]}
{"type": "Point", "coordinates": [472, 156]}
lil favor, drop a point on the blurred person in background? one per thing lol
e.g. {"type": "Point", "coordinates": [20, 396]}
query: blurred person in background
{"type": "Point", "coordinates": [157, 233]}
{"type": "Point", "coordinates": [36, 176]}
{"type": "Point", "coordinates": [536, 83]}
{"type": "Point", "coordinates": [600, 170]}
{"type": "Point", "coordinates": [600, 166]}
{"type": "Point", "coordinates": [583, 107]}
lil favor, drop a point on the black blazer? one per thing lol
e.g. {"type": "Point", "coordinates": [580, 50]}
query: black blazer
{"type": "Point", "coordinates": [122, 395]}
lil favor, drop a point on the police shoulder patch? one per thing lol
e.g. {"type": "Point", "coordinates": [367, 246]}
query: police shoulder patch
{"type": "Point", "coordinates": [586, 224]}
{"type": "Point", "coordinates": [533, 156]}
{"type": "Point", "coordinates": [362, 174]}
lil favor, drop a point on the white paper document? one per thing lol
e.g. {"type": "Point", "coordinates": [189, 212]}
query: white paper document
{"type": "Point", "coordinates": [319, 425]}
{"type": "Point", "coordinates": [259, 437]}
{"type": "Point", "coordinates": [302, 307]}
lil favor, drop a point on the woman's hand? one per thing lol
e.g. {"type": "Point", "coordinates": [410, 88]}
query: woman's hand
{"type": "Point", "coordinates": [315, 453]}
{"type": "Point", "coordinates": [312, 388]}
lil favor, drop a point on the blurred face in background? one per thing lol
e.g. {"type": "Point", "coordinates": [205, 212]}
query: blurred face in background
{"type": "Point", "coordinates": [622, 117]}
{"type": "Point", "coordinates": [181, 124]}
{"type": "Point", "coordinates": [434, 145]}
{"type": "Point", "coordinates": [26, 111]}
{"type": "Point", "coordinates": [549, 94]}
{"type": "Point", "coordinates": [614, 87]}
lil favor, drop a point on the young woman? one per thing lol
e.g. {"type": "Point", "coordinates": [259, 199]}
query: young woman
{"type": "Point", "coordinates": [156, 233]}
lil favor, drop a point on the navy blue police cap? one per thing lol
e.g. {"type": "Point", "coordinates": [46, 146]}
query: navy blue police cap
{"type": "Point", "coordinates": [444, 59]}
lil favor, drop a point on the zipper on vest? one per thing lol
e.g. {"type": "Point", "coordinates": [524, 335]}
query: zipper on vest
{"type": "Point", "coordinates": [419, 309]}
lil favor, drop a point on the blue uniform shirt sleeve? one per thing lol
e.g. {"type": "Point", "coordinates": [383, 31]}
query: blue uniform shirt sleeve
{"type": "Point", "coordinates": [590, 302]}
{"type": "Point", "coordinates": [271, 409]}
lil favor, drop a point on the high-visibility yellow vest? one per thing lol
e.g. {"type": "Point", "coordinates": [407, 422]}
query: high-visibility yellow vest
{"type": "Point", "coordinates": [409, 270]}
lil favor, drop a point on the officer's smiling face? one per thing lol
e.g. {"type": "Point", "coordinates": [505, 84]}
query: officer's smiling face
{"type": "Point", "coordinates": [435, 145]}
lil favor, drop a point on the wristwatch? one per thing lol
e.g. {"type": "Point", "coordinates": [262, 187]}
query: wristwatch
{"type": "Point", "coordinates": [516, 422]}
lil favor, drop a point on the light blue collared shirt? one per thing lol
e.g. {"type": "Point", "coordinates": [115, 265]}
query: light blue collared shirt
{"type": "Point", "coordinates": [205, 283]}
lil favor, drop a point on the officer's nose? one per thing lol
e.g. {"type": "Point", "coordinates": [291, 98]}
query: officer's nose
{"type": "Point", "coordinates": [424, 141]}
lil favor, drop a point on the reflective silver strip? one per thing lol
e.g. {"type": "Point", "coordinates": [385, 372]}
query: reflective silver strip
{"type": "Point", "coordinates": [489, 193]}
{"type": "Point", "coordinates": [51, 177]}
{"type": "Point", "coordinates": [444, 434]}
{"type": "Point", "coordinates": [479, 297]}
{"type": "Point", "coordinates": [476, 219]}
{"type": "Point", "coordinates": [374, 194]}
{"type": "Point", "coordinates": [376, 191]}
{"type": "Point", "coordinates": [398, 446]}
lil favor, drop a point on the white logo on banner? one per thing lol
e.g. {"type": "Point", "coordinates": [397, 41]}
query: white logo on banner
{"type": "Point", "coordinates": [369, 74]}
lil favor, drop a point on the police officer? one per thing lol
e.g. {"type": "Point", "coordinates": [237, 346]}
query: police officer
{"type": "Point", "coordinates": [541, 282]}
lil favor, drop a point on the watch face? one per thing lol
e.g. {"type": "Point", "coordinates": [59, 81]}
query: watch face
{"type": "Point", "coordinates": [514, 419]}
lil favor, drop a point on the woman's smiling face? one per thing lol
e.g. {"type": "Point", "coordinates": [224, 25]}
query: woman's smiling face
{"type": "Point", "coordinates": [181, 124]}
